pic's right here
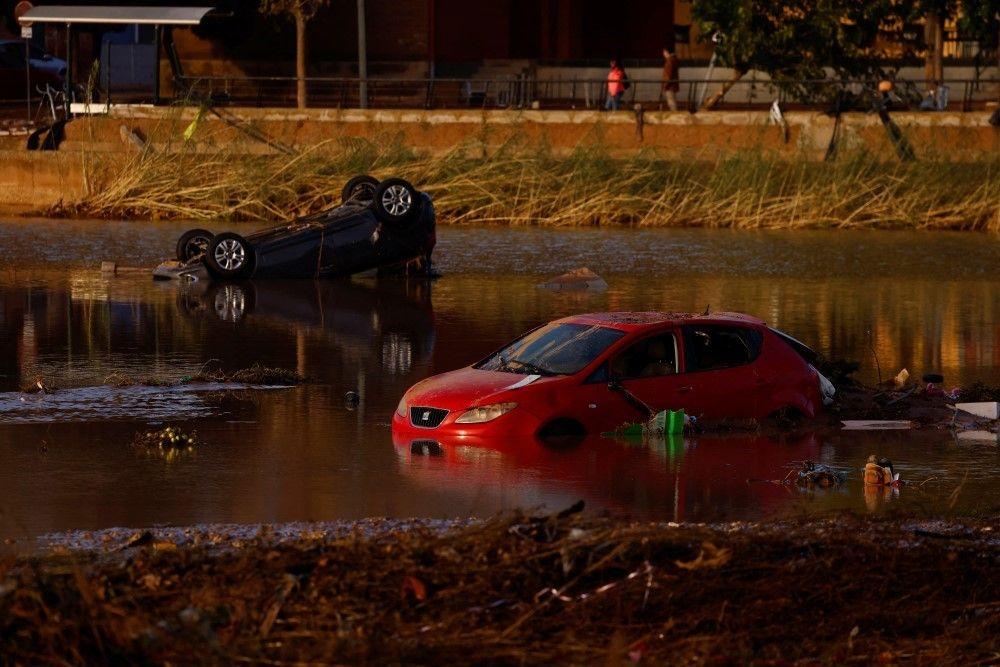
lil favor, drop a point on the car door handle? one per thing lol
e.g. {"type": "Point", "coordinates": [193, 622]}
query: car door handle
{"type": "Point", "coordinates": [685, 389]}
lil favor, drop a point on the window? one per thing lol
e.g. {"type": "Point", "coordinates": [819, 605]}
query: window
{"type": "Point", "coordinates": [554, 349]}
{"type": "Point", "coordinates": [710, 347]}
{"type": "Point", "coordinates": [655, 356]}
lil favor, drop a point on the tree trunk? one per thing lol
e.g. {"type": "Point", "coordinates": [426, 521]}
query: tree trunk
{"type": "Point", "coordinates": [939, 49]}
{"type": "Point", "coordinates": [717, 97]}
{"type": "Point", "coordinates": [300, 60]}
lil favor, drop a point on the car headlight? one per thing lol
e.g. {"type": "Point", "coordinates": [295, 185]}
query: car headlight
{"type": "Point", "coordinates": [401, 408]}
{"type": "Point", "coordinates": [485, 413]}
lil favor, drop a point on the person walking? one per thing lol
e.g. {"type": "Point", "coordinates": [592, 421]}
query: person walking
{"type": "Point", "coordinates": [671, 84]}
{"type": "Point", "coordinates": [616, 86]}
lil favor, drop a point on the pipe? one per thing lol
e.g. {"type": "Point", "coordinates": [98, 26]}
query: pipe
{"type": "Point", "coordinates": [362, 57]}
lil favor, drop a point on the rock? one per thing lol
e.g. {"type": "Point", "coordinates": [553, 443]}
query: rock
{"type": "Point", "coordinates": [582, 279]}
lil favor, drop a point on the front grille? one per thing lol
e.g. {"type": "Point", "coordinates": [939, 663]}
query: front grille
{"type": "Point", "coordinates": [427, 417]}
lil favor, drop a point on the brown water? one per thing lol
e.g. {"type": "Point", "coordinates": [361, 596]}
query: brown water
{"type": "Point", "coordinates": [925, 301]}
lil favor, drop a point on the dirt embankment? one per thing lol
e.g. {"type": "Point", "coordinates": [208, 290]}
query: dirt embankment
{"type": "Point", "coordinates": [523, 590]}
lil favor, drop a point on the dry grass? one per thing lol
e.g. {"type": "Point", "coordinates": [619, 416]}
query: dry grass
{"type": "Point", "coordinates": [522, 185]}
{"type": "Point", "coordinates": [521, 591]}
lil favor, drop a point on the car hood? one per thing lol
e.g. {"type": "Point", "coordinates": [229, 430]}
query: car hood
{"type": "Point", "coordinates": [468, 387]}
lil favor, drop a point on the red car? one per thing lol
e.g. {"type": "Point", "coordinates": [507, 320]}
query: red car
{"type": "Point", "coordinates": [593, 373]}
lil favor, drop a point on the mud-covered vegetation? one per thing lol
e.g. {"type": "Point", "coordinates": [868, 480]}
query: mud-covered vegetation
{"type": "Point", "coordinates": [525, 184]}
{"type": "Point", "coordinates": [523, 590]}
{"type": "Point", "coordinates": [253, 375]}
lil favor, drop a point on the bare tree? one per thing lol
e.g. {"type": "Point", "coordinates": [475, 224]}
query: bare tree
{"type": "Point", "coordinates": [301, 11]}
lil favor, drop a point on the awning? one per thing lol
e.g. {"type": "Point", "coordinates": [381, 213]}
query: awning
{"type": "Point", "coordinates": [104, 14]}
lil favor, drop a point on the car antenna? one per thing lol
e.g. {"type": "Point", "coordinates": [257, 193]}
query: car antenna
{"type": "Point", "coordinates": [707, 308]}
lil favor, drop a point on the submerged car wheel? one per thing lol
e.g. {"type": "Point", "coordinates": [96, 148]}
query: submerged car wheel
{"type": "Point", "coordinates": [396, 201]}
{"type": "Point", "coordinates": [360, 188]}
{"type": "Point", "coordinates": [230, 256]}
{"type": "Point", "coordinates": [193, 243]}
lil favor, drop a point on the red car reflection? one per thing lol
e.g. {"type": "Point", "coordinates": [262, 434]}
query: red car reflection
{"type": "Point", "coordinates": [592, 373]}
{"type": "Point", "coordinates": [680, 478]}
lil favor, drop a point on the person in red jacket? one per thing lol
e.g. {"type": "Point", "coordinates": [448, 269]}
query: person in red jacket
{"type": "Point", "coordinates": [617, 82]}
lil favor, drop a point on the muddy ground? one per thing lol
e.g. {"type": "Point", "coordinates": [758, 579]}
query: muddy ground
{"type": "Point", "coordinates": [517, 590]}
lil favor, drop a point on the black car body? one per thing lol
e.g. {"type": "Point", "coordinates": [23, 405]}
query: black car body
{"type": "Point", "coordinates": [380, 226]}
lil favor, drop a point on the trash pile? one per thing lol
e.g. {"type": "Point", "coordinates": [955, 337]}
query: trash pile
{"type": "Point", "coordinates": [169, 442]}
{"type": "Point", "coordinates": [900, 404]}
{"type": "Point", "coordinates": [524, 589]}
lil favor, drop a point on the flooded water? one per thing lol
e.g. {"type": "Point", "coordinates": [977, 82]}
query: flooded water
{"type": "Point", "coordinates": [927, 302]}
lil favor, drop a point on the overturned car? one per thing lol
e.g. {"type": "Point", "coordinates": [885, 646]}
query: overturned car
{"type": "Point", "coordinates": [380, 225]}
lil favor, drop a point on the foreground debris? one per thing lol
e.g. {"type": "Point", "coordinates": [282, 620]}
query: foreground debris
{"type": "Point", "coordinates": [522, 590]}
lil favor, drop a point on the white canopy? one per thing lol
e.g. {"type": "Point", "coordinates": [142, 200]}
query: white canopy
{"type": "Point", "coordinates": [105, 14]}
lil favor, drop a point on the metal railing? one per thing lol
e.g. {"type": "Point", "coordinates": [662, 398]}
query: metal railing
{"type": "Point", "coordinates": [524, 92]}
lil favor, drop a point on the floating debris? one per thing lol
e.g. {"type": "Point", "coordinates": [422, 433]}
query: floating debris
{"type": "Point", "coordinates": [169, 442]}
{"type": "Point", "coordinates": [877, 424]}
{"type": "Point", "coordinates": [818, 474]}
{"type": "Point", "coordinates": [879, 472]}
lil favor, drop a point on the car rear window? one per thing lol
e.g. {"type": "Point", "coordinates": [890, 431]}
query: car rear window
{"type": "Point", "coordinates": [711, 347]}
{"type": "Point", "coordinates": [803, 350]}
{"type": "Point", "coordinates": [554, 349]}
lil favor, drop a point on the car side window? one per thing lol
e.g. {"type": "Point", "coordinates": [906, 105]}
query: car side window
{"type": "Point", "coordinates": [655, 356]}
{"type": "Point", "coordinates": [711, 347]}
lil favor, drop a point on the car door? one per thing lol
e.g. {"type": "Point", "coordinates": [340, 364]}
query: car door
{"type": "Point", "coordinates": [644, 372]}
{"type": "Point", "coordinates": [720, 377]}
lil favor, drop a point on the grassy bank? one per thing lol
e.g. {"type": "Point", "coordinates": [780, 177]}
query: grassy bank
{"type": "Point", "coordinates": [519, 185]}
{"type": "Point", "coordinates": [521, 590]}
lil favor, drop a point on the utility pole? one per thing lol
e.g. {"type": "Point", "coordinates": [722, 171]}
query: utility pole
{"type": "Point", "coordinates": [362, 57]}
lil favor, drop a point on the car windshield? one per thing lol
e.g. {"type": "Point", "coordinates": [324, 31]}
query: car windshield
{"type": "Point", "coordinates": [555, 349]}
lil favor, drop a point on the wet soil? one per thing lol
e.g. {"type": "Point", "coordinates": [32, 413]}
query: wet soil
{"type": "Point", "coordinates": [518, 590]}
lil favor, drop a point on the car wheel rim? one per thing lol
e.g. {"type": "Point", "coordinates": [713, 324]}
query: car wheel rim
{"type": "Point", "coordinates": [196, 246]}
{"type": "Point", "coordinates": [230, 303]}
{"type": "Point", "coordinates": [230, 254]}
{"type": "Point", "coordinates": [397, 200]}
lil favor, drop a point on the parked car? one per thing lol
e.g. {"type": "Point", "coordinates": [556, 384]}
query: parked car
{"type": "Point", "coordinates": [379, 225]}
{"type": "Point", "coordinates": [593, 373]}
{"type": "Point", "coordinates": [45, 70]}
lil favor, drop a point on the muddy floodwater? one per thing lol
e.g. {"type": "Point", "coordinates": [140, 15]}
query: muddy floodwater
{"type": "Point", "coordinates": [927, 302]}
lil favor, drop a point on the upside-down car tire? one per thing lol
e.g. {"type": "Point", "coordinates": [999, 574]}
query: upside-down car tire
{"type": "Point", "coordinates": [230, 257]}
{"type": "Point", "coordinates": [396, 201]}
{"type": "Point", "coordinates": [192, 243]}
{"type": "Point", "coordinates": [360, 188]}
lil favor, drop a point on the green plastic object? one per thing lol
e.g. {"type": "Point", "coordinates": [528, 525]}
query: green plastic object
{"type": "Point", "coordinates": [668, 422]}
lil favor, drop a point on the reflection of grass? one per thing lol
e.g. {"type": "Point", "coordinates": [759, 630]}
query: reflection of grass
{"type": "Point", "coordinates": [515, 185]}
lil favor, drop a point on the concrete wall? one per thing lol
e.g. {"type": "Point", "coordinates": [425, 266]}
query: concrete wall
{"type": "Point", "coordinates": [708, 134]}
{"type": "Point", "coordinates": [32, 180]}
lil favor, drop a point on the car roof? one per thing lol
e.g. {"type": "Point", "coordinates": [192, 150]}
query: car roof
{"type": "Point", "coordinates": [636, 321]}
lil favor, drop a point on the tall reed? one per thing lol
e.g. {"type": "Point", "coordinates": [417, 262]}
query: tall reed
{"type": "Point", "coordinates": [519, 184]}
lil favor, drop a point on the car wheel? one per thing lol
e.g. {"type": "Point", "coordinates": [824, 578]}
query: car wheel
{"type": "Point", "coordinates": [396, 201]}
{"type": "Point", "coordinates": [230, 256]}
{"type": "Point", "coordinates": [360, 188]}
{"type": "Point", "coordinates": [193, 243]}
{"type": "Point", "coordinates": [562, 433]}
